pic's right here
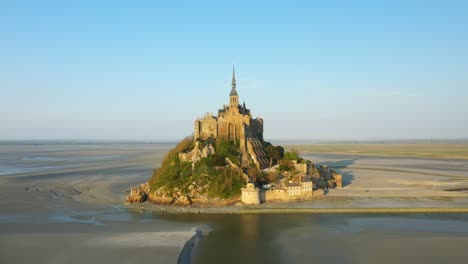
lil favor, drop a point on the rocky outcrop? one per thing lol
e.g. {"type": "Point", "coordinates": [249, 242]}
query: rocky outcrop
{"type": "Point", "coordinates": [182, 200]}
{"type": "Point", "coordinates": [334, 180]}
{"type": "Point", "coordinates": [230, 163]}
{"type": "Point", "coordinates": [338, 180]}
{"type": "Point", "coordinates": [324, 177]}
{"type": "Point", "coordinates": [325, 172]}
{"type": "Point", "coordinates": [196, 154]}
{"type": "Point", "coordinates": [138, 195]}
{"type": "Point", "coordinates": [160, 200]}
{"type": "Point", "coordinates": [196, 191]}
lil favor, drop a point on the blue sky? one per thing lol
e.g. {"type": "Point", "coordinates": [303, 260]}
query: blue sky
{"type": "Point", "coordinates": [145, 70]}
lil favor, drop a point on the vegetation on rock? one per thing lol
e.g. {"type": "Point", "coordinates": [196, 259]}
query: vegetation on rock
{"type": "Point", "coordinates": [211, 176]}
{"type": "Point", "coordinates": [190, 173]}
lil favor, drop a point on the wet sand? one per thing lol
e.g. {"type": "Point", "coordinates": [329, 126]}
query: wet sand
{"type": "Point", "coordinates": [65, 206]}
{"type": "Point", "coordinates": [63, 203]}
{"type": "Point", "coordinates": [78, 244]}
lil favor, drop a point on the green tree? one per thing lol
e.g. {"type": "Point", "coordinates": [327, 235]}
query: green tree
{"type": "Point", "coordinates": [270, 151]}
{"type": "Point", "coordinates": [275, 154]}
{"type": "Point", "coordinates": [280, 150]}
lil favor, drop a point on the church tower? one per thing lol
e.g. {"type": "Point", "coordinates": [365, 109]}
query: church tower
{"type": "Point", "coordinates": [233, 97]}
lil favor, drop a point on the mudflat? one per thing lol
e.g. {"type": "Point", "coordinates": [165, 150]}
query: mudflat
{"type": "Point", "coordinates": [64, 202]}
{"type": "Point", "coordinates": [60, 203]}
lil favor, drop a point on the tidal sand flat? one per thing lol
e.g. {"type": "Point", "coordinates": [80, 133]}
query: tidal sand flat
{"type": "Point", "coordinates": [62, 203]}
{"type": "Point", "coordinates": [386, 181]}
{"type": "Point", "coordinates": [80, 243]}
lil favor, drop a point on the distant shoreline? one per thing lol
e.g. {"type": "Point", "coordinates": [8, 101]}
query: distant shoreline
{"type": "Point", "coordinates": [304, 152]}
{"type": "Point", "coordinates": [444, 151]}
{"type": "Point", "coordinates": [455, 149]}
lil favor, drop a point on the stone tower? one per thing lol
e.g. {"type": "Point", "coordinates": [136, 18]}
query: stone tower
{"type": "Point", "coordinates": [234, 123]}
{"type": "Point", "coordinates": [234, 98]}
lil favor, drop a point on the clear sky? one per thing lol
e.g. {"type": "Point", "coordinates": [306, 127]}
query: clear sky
{"type": "Point", "coordinates": [145, 70]}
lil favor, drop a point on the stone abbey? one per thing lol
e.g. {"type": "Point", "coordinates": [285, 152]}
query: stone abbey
{"type": "Point", "coordinates": [234, 122]}
{"type": "Point", "coordinates": [228, 157]}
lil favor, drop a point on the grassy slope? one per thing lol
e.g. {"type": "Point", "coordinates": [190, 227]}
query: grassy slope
{"type": "Point", "coordinates": [432, 150]}
{"type": "Point", "coordinates": [223, 181]}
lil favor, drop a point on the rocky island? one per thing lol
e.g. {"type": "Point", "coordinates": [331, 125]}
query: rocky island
{"type": "Point", "coordinates": [227, 161]}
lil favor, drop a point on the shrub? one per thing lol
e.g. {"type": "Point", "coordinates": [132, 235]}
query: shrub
{"type": "Point", "coordinates": [223, 181]}
{"type": "Point", "coordinates": [286, 165]}
{"type": "Point", "coordinates": [227, 183]}
{"type": "Point", "coordinates": [215, 160]}
{"type": "Point", "coordinates": [292, 155]}
{"type": "Point", "coordinates": [228, 149]}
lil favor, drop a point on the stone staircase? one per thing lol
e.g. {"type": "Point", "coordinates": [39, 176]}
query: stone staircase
{"type": "Point", "coordinates": [256, 151]}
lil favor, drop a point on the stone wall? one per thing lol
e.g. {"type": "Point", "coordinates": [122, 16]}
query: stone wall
{"type": "Point", "coordinates": [206, 127]}
{"type": "Point", "coordinates": [274, 196]}
{"type": "Point", "coordinates": [295, 191]}
{"type": "Point", "coordinates": [318, 194]}
{"type": "Point", "coordinates": [301, 167]}
{"type": "Point", "coordinates": [250, 195]}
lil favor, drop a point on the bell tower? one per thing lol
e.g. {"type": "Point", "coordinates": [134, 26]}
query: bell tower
{"type": "Point", "coordinates": [233, 97]}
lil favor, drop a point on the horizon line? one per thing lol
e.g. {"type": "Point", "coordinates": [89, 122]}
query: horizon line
{"type": "Point", "coordinates": [282, 140]}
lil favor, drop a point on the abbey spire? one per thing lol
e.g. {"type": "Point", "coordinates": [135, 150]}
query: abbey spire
{"type": "Point", "coordinates": [233, 89]}
{"type": "Point", "coordinates": [233, 97]}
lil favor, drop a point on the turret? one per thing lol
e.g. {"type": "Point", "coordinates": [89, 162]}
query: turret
{"type": "Point", "coordinates": [233, 97]}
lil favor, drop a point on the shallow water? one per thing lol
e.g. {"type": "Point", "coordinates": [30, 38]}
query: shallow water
{"type": "Point", "coordinates": [332, 238]}
{"type": "Point", "coordinates": [53, 215]}
{"type": "Point", "coordinates": [293, 238]}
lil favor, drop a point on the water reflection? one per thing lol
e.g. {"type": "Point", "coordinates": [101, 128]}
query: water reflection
{"type": "Point", "coordinates": [335, 238]}
{"type": "Point", "coordinates": [240, 238]}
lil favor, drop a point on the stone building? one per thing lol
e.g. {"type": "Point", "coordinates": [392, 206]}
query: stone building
{"type": "Point", "coordinates": [303, 188]}
{"type": "Point", "coordinates": [288, 191]}
{"type": "Point", "coordinates": [250, 194]}
{"type": "Point", "coordinates": [235, 122]}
